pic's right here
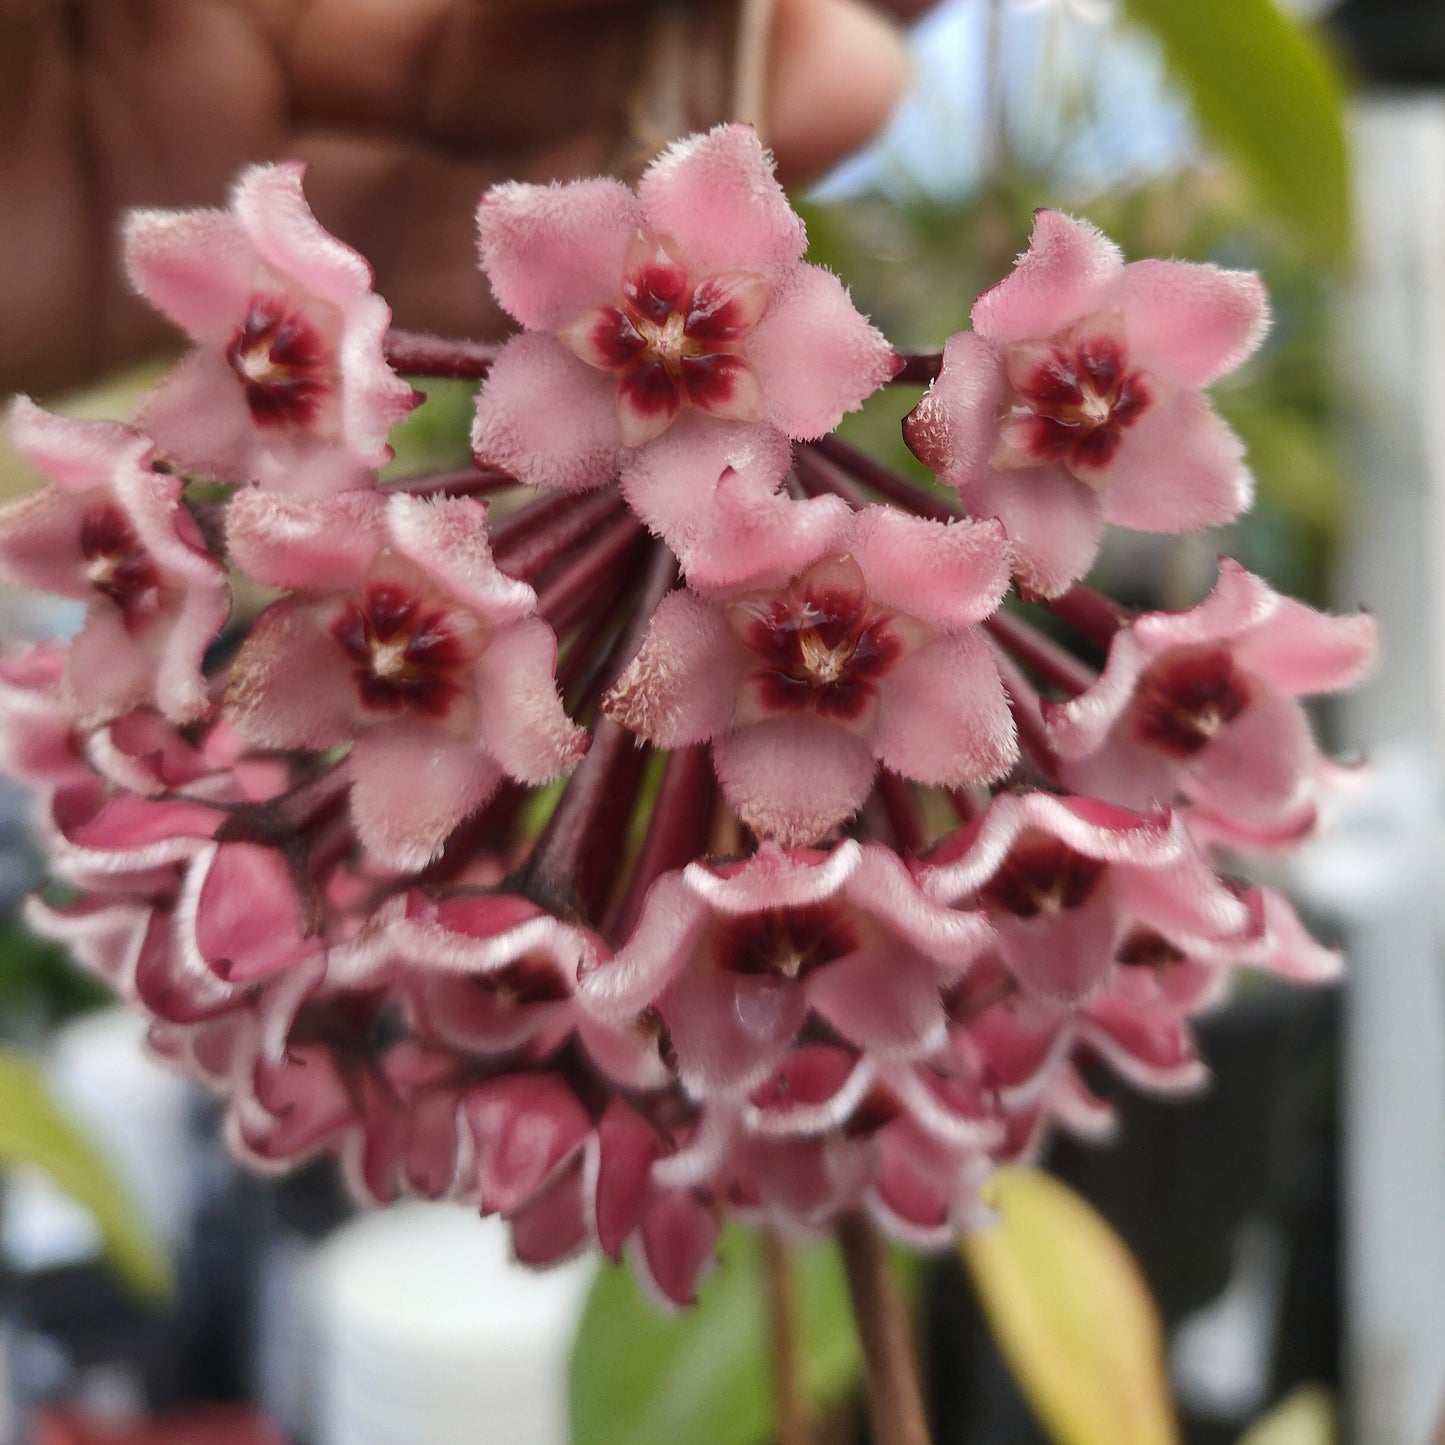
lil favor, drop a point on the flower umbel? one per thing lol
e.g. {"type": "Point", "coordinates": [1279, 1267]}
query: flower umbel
{"type": "Point", "coordinates": [702, 834]}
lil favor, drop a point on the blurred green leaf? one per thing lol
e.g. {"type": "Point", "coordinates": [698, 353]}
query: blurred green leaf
{"type": "Point", "coordinates": [1267, 91]}
{"type": "Point", "coordinates": [34, 1131]}
{"type": "Point", "coordinates": [640, 1377]}
{"type": "Point", "coordinates": [1306, 1416]}
{"type": "Point", "coordinates": [1072, 1315]}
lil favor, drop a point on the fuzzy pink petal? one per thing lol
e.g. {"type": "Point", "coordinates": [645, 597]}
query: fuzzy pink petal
{"type": "Point", "coordinates": [1124, 771]}
{"type": "Point", "coordinates": [1190, 325]}
{"type": "Point", "coordinates": [753, 532]}
{"type": "Point", "coordinates": [703, 475]}
{"type": "Point", "coordinates": [447, 538]}
{"type": "Point", "coordinates": [40, 543]}
{"type": "Point", "coordinates": [291, 684]}
{"type": "Point", "coordinates": [717, 197]}
{"type": "Point", "coordinates": [885, 1000]}
{"type": "Point", "coordinates": [1287, 948]}
{"type": "Point", "coordinates": [729, 1030]}
{"type": "Point", "coordinates": [554, 252]}
{"type": "Point", "coordinates": [774, 878]}
{"type": "Point", "coordinates": [109, 670]}
{"type": "Point", "coordinates": [681, 686]}
{"type": "Point", "coordinates": [247, 917]}
{"type": "Point", "coordinates": [944, 718]}
{"type": "Point", "coordinates": [413, 783]}
{"type": "Point", "coordinates": [794, 779]}
{"type": "Point", "coordinates": [198, 268]}
{"type": "Point", "coordinates": [547, 418]}
{"type": "Point", "coordinates": [673, 918]}
{"type": "Point", "coordinates": [1301, 651]}
{"type": "Point", "coordinates": [1053, 521]}
{"type": "Point", "coordinates": [311, 544]}
{"type": "Point", "coordinates": [954, 429]}
{"type": "Point", "coordinates": [1065, 954]}
{"type": "Point", "coordinates": [1258, 767]}
{"type": "Point", "coordinates": [198, 415]}
{"type": "Point", "coordinates": [269, 204]}
{"type": "Point", "coordinates": [816, 355]}
{"type": "Point", "coordinates": [1178, 468]}
{"type": "Point", "coordinates": [627, 1147]}
{"type": "Point", "coordinates": [373, 397]}
{"type": "Point", "coordinates": [947, 574]}
{"type": "Point", "coordinates": [1184, 898]}
{"type": "Point", "coordinates": [1152, 1051]}
{"type": "Point", "coordinates": [1063, 276]}
{"type": "Point", "coordinates": [181, 690]}
{"type": "Point", "coordinates": [520, 715]}
{"type": "Point", "coordinates": [1095, 829]}
{"type": "Point", "coordinates": [76, 455]}
{"type": "Point", "coordinates": [884, 886]}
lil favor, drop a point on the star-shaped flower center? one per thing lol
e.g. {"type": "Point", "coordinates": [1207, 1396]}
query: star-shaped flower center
{"type": "Point", "coordinates": [411, 650]}
{"type": "Point", "coordinates": [117, 565]}
{"type": "Point", "coordinates": [283, 364]}
{"type": "Point", "coordinates": [672, 340]}
{"type": "Point", "coordinates": [1040, 875]}
{"type": "Point", "coordinates": [1186, 698]}
{"type": "Point", "coordinates": [1073, 398]}
{"type": "Point", "coordinates": [822, 644]}
{"type": "Point", "coordinates": [788, 943]}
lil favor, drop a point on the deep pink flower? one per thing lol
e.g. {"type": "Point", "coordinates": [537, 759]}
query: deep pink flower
{"type": "Point", "coordinates": [288, 385]}
{"type": "Point", "coordinates": [805, 686]}
{"type": "Point", "coordinates": [402, 638]}
{"type": "Point", "coordinates": [735, 958]}
{"type": "Point", "coordinates": [685, 307]}
{"type": "Point", "coordinates": [1066, 882]}
{"type": "Point", "coordinates": [41, 743]}
{"type": "Point", "coordinates": [1075, 400]}
{"type": "Point", "coordinates": [114, 533]}
{"type": "Point", "coordinates": [1203, 704]}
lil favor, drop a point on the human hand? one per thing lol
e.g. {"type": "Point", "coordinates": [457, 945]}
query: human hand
{"type": "Point", "coordinates": [407, 110]}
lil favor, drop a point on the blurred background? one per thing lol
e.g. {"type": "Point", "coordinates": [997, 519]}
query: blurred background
{"type": "Point", "coordinates": [1288, 1222]}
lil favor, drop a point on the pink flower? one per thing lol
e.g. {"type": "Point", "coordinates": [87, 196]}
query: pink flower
{"type": "Point", "coordinates": [1075, 400]}
{"type": "Point", "coordinates": [1066, 882]}
{"type": "Point", "coordinates": [683, 307]}
{"type": "Point", "coordinates": [114, 533]}
{"type": "Point", "coordinates": [1203, 704]}
{"type": "Point", "coordinates": [403, 639]}
{"type": "Point", "coordinates": [288, 385]}
{"type": "Point", "coordinates": [735, 958]}
{"type": "Point", "coordinates": [805, 685]}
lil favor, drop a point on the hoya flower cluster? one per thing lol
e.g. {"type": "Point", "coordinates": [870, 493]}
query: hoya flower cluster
{"type": "Point", "coordinates": [669, 816]}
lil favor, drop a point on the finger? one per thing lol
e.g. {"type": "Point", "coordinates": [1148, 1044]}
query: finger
{"type": "Point", "coordinates": [837, 70]}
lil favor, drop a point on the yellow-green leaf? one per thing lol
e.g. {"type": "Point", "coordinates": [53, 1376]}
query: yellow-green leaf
{"type": "Point", "coordinates": [1072, 1315]}
{"type": "Point", "coordinates": [1306, 1416]}
{"type": "Point", "coordinates": [33, 1130]}
{"type": "Point", "coordinates": [1266, 90]}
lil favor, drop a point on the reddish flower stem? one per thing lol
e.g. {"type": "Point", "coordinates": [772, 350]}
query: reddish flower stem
{"type": "Point", "coordinates": [1041, 654]}
{"type": "Point", "coordinates": [544, 540]}
{"type": "Point", "coordinates": [901, 808]}
{"type": "Point", "coordinates": [919, 368]}
{"type": "Point", "coordinates": [1028, 718]}
{"type": "Point", "coordinates": [886, 1334]}
{"type": "Point", "coordinates": [1097, 617]}
{"type": "Point", "coordinates": [591, 578]}
{"type": "Point", "coordinates": [468, 481]}
{"type": "Point", "coordinates": [418, 353]}
{"type": "Point", "coordinates": [579, 670]}
{"type": "Point", "coordinates": [795, 1426]}
{"type": "Point", "coordinates": [884, 480]}
{"type": "Point", "coordinates": [676, 833]}
{"type": "Point", "coordinates": [579, 850]}
{"type": "Point", "coordinates": [819, 477]}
